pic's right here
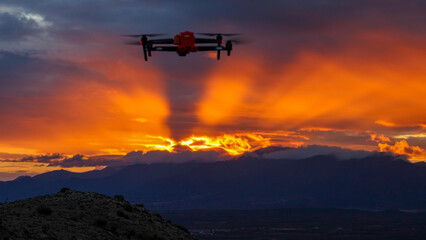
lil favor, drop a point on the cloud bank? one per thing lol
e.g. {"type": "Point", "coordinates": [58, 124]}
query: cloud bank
{"type": "Point", "coordinates": [185, 155]}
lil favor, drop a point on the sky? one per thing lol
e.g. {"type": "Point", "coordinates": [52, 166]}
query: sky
{"type": "Point", "coordinates": [346, 74]}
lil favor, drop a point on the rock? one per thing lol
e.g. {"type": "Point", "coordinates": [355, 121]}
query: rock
{"type": "Point", "coordinates": [72, 214]}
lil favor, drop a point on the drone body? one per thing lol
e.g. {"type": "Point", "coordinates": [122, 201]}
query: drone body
{"type": "Point", "coordinates": [184, 43]}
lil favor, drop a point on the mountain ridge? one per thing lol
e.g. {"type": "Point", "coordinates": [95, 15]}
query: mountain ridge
{"type": "Point", "coordinates": [377, 182]}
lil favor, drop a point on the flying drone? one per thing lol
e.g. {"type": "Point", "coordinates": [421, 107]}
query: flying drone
{"type": "Point", "coordinates": [184, 43]}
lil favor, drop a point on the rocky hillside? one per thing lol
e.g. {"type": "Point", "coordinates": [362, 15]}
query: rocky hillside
{"type": "Point", "coordinates": [72, 214]}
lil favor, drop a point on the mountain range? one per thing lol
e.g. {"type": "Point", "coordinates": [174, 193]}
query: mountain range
{"type": "Point", "coordinates": [375, 182]}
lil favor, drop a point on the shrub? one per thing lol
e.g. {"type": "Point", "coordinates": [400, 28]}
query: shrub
{"type": "Point", "coordinates": [64, 189]}
{"type": "Point", "coordinates": [140, 205]}
{"type": "Point", "coordinates": [44, 210]}
{"type": "Point", "coordinates": [131, 233]}
{"type": "Point", "coordinates": [119, 198]}
{"type": "Point", "coordinates": [122, 214]}
{"type": "Point", "coordinates": [45, 228]}
{"type": "Point", "coordinates": [100, 222]}
{"type": "Point", "coordinates": [113, 228]}
{"type": "Point", "coordinates": [128, 207]}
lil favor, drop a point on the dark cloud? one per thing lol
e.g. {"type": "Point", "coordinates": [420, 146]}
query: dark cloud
{"type": "Point", "coordinates": [13, 28]}
{"type": "Point", "coordinates": [135, 157]}
{"type": "Point", "coordinates": [79, 160]}
{"type": "Point", "coordinates": [43, 158]}
{"type": "Point", "coordinates": [29, 76]}
{"type": "Point", "coordinates": [184, 155]}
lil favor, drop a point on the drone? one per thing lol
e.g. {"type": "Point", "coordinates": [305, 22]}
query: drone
{"type": "Point", "coordinates": [184, 43]}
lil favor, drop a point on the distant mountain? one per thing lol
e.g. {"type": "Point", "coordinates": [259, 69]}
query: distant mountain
{"type": "Point", "coordinates": [270, 149]}
{"type": "Point", "coordinates": [374, 182]}
{"type": "Point", "coordinates": [421, 164]}
{"type": "Point", "coordinates": [71, 214]}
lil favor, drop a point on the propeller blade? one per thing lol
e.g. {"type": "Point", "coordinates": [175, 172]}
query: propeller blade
{"type": "Point", "coordinates": [223, 34]}
{"type": "Point", "coordinates": [239, 41]}
{"type": "Point", "coordinates": [141, 35]}
{"type": "Point", "coordinates": [132, 43]}
{"type": "Point", "coordinates": [207, 34]}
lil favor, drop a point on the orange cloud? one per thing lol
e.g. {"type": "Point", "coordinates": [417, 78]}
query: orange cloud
{"type": "Point", "coordinates": [225, 90]}
{"type": "Point", "coordinates": [402, 147]}
{"type": "Point", "coordinates": [232, 144]}
{"type": "Point", "coordinates": [98, 113]}
{"type": "Point", "coordinates": [156, 143]}
{"type": "Point", "coordinates": [379, 138]}
{"type": "Point", "coordinates": [332, 91]}
{"type": "Point", "coordinates": [384, 123]}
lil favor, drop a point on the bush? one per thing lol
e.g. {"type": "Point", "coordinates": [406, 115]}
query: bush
{"type": "Point", "coordinates": [45, 228]}
{"type": "Point", "coordinates": [113, 228]}
{"type": "Point", "coordinates": [128, 207]}
{"type": "Point", "coordinates": [100, 222]}
{"type": "Point", "coordinates": [140, 205]}
{"type": "Point", "coordinates": [131, 233]}
{"type": "Point", "coordinates": [44, 210]}
{"type": "Point", "coordinates": [64, 189]}
{"type": "Point", "coordinates": [122, 214]}
{"type": "Point", "coordinates": [119, 198]}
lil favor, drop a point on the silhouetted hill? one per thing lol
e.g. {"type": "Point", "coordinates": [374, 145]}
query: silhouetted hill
{"type": "Point", "coordinates": [81, 215]}
{"type": "Point", "coordinates": [375, 182]}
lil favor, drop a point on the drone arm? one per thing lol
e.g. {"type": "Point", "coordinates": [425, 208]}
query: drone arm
{"type": "Point", "coordinates": [210, 48]}
{"type": "Point", "coordinates": [161, 41]}
{"type": "Point", "coordinates": [164, 49]}
{"type": "Point", "coordinates": [205, 40]}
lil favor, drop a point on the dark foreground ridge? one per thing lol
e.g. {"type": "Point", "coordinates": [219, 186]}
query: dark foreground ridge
{"type": "Point", "coordinates": [72, 214]}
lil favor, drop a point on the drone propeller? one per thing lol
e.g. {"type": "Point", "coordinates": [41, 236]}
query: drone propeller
{"type": "Point", "coordinates": [223, 34]}
{"type": "Point", "coordinates": [132, 42]}
{"type": "Point", "coordinates": [238, 41]}
{"type": "Point", "coordinates": [143, 35]}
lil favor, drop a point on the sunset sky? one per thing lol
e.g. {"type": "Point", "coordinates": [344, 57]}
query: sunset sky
{"type": "Point", "coordinates": [350, 74]}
